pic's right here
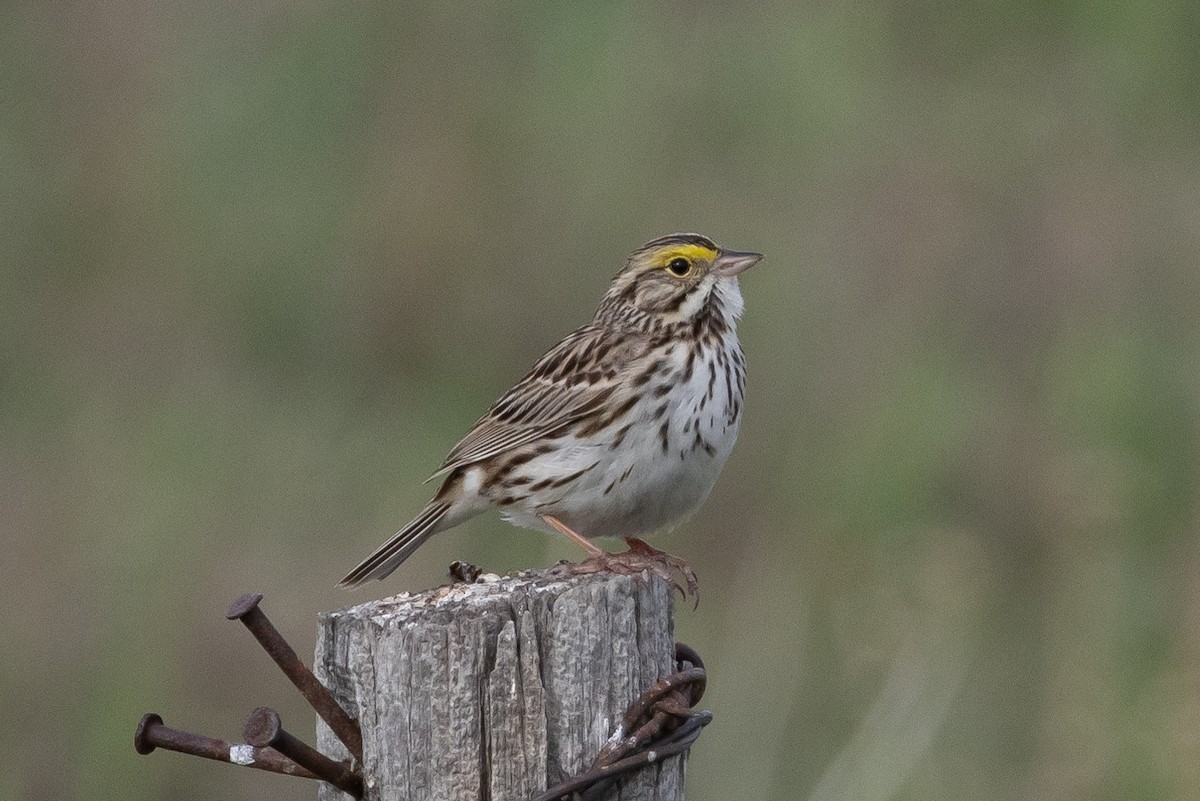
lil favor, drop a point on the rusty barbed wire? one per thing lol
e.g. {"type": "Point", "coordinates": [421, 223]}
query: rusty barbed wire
{"type": "Point", "coordinates": [658, 724]}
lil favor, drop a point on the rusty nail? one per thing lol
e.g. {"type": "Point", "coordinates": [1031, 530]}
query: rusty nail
{"type": "Point", "coordinates": [152, 733]}
{"type": "Point", "coordinates": [319, 698]}
{"type": "Point", "coordinates": [264, 729]}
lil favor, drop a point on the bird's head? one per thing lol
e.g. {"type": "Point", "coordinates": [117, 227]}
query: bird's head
{"type": "Point", "coordinates": [674, 278]}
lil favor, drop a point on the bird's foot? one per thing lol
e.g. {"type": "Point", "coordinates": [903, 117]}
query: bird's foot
{"type": "Point", "coordinates": [642, 557]}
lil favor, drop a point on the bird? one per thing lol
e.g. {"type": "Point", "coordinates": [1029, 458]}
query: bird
{"type": "Point", "coordinates": [619, 430]}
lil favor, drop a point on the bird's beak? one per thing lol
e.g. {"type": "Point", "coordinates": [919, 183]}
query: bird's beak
{"type": "Point", "coordinates": [732, 262]}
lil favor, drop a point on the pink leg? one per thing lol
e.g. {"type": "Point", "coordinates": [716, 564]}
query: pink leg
{"type": "Point", "coordinates": [574, 536]}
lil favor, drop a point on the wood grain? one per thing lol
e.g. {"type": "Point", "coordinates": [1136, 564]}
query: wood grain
{"type": "Point", "coordinates": [488, 691]}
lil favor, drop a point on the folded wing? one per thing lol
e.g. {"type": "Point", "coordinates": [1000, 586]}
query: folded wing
{"type": "Point", "coordinates": [575, 379]}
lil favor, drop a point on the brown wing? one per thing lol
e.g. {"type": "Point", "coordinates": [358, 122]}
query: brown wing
{"type": "Point", "coordinates": [576, 378]}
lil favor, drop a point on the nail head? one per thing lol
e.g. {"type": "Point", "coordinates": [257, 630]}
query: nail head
{"type": "Point", "coordinates": [141, 737]}
{"type": "Point", "coordinates": [262, 727]}
{"type": "Point", "coordinates": [243, 606]}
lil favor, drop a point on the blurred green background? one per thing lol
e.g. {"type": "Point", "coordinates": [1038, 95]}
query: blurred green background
{"type": "Point", "coordinates": [263, 263]}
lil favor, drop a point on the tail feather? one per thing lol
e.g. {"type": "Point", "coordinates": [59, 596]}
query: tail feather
{"type": "Point", "coordinates": [391, 554]}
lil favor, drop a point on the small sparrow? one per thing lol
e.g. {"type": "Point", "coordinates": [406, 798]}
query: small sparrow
{"type": "Point", "coordinates": [621, 429]}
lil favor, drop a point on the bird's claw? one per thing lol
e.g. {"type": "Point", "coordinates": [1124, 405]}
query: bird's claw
{"type": "Point", "coordinates": [643, 557]}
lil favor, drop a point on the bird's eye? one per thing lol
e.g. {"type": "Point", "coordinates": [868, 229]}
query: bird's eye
{"type": "Point", "coordinates": [679, 267]}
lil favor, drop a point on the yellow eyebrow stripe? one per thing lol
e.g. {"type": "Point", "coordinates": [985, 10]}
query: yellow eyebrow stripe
{"type": "Point", "coordinates": [692, 253]}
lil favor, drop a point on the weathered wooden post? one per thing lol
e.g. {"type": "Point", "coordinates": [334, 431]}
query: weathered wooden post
{"type": "Point", "coordinates": [491, 690]}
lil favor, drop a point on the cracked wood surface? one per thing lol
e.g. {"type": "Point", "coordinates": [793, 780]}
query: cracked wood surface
{"type": "Point", "coordinates": [489, 691]}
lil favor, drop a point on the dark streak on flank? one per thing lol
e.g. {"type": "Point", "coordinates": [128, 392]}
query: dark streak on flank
{"type": "Point", "coordinates": [663, 434]}
{"type": "Point", "coordinates": [520, 458]}
{"type": "Point", "coordinates": [567, 479]}
{"type": "Point", "coordinates": [620, 437]}
{"type": "Point", "coordinates": [618, 480]}
{"type": "Point", "coordinates": [599, 422]}
{"type": "Point", "coordinates": [700, 442]}
{"type": "Point", "coordinates": [645, 376]}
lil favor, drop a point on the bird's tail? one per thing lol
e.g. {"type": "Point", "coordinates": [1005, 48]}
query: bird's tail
{"type": "Point", "coordinates": [387, 557]}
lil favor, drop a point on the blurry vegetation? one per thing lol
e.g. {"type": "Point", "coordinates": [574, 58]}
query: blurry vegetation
{"type": "Point", "coordinates": [263, 263]}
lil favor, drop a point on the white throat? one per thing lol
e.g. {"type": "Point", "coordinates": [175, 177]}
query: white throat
{"type": "Point", "coordinates": [729, 295]}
